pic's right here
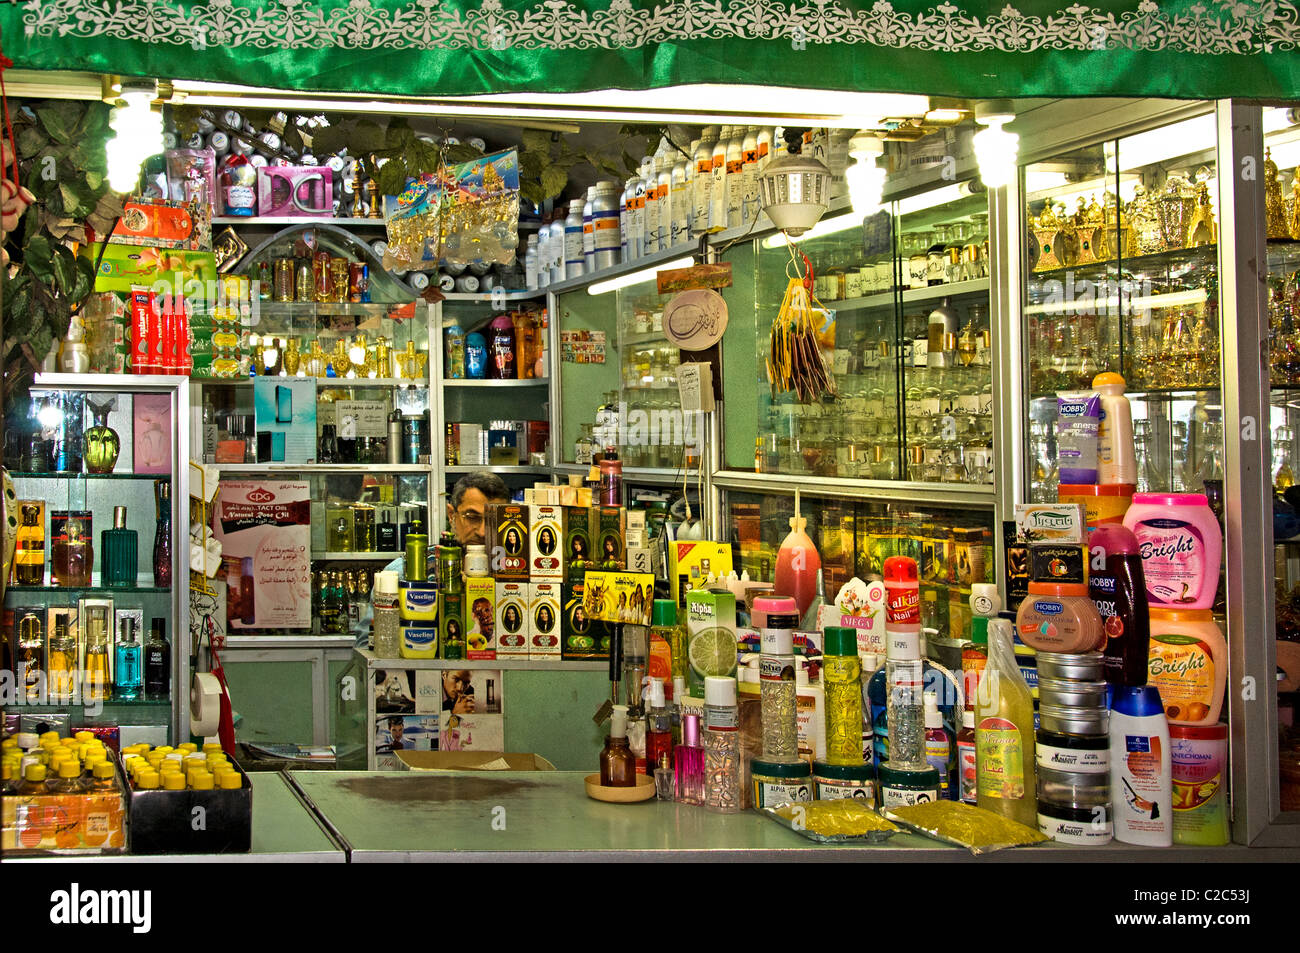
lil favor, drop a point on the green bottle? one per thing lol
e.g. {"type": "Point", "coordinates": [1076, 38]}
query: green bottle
{"type": "Point", "coordinates": [417, 555]}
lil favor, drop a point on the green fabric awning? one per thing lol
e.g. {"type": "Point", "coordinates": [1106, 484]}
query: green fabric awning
{"type": "Point", "coordinates": [1175, 48]}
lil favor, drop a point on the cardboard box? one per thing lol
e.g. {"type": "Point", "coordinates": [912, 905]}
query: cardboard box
{"type": "Point", "coordinates": [67, 823]}
{"type": "Point", "coordinates": [1058, 563]}
{"type": "Point", "coordinates": [546, 532]}
{"type": "Point", "coordinates": [151, 431]}
{"type": "Point", "coordinates": [470, 435]}
{"type": "Point", "coordinates": [452, 643]}
{"type": "Point", "coordinates": [544, 606]}
{"type": "Point", "coordinates": [513, 619]}
{"type": "Point", "coordinates": [1060, 522]}
{"type": "Point", "coordinates": [859, 606]}
{"type": "Point", "coordinates": [163, 822]}
{"type": "Point", "coordinates": [285, 408]}
{"type": "Point", "coordinates": [610, 541]}
{"type": "Point", "coordinates": [507, 541]}
{"type": "Point", "coordinates": [578, 527]}
{"type": "Point", "coordinates": [706, 610]}
{"type": "Point", "coordinates": [690, 562]}
{"type": "Point", "coordinates": [582, 637]}
{"type": "Point", "coordinates": [471, 761]}
{"type": "Point", "coordinates": [480, 617]}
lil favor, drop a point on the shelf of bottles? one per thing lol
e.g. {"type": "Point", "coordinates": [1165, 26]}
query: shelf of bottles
{"type": "Point", "coordinates": [953, 549]}
{"type": "Point", "coordinates": [619, 385]}
{"type": "Point", "coordinates": [90, 609]}
{"type": "Point", "coordinates": [903, 310]}
{"type": "Point", "coordinates": [1122, 261]}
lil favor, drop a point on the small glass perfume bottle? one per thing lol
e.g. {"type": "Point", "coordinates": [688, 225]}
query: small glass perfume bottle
{"type": "Point", "coordinates": [29, 651]}
{"type": "Point", "coordinates": [29, 556]}
{"type": "Point", "coordinates": [120, 547]}
{"type": "Point", "coordinates": [688, 762]}
{"type": "Point", "coordinates": [62, 661]}
{"type": "Point", "coordinates": [157, 661]}
{"type": "Point", "coordinates": [72, 553]}
{"type": "Point", "coordinates": [617, 763]}
{"type": "Point", "coordinates": [127, 660]}
{"type": "Point", "coordinates": [101, 440]}
{"type": "Point", "coordinates": [162, 541]}
{"type": "Point", "coordinates": [96, 686]}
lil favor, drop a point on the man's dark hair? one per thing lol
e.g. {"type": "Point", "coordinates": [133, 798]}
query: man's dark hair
{"type": "Point", "coordinates": [489, 484]}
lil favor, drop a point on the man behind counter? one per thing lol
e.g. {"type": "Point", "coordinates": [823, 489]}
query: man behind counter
{"type": "Point", "coordinates": [466, 515]}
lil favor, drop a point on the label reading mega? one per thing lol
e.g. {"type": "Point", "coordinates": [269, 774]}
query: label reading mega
{"type": "Point", "coordinates": [1001, 765]}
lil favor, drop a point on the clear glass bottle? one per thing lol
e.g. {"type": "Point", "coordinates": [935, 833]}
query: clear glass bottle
{"type": "Point", "coordinates": [688, 763]}
{"type": "Point", "coordinates": [157, 661]}
{"type": "Point", "coordinates": [29, 651]}
{"type": "Point", "coordinates": [842, 678]}
{"type": "Point", "coordinates": [61, 661]}
{"type": "Point", "coordinates": [722, 792]}
{"type": "Point", "coordinates": [72, 554]}
{"type": "Point", "coordinates": [119, 547]}
{"type": "Point", "coordinates": [128, 659]}
{"type": "Point", "coordinates": [96, 685]}
{"type": "Point", "coordinates": [29, 555]}
{"type": "Point", "coordinates": [658, 727]}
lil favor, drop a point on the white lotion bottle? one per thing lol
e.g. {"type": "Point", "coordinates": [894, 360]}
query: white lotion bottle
{"type": "Point", "coordinates": [1116, 458]}
{"type": "Point", "coordinates": [1141, 779]}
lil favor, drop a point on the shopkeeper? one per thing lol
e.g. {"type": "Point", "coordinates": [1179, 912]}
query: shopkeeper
{"type": "Point", "coordinates": [466, 515]}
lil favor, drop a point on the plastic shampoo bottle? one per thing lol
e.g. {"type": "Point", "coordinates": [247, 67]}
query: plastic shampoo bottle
{"type": "Point", "coordinates": [1004, 733]}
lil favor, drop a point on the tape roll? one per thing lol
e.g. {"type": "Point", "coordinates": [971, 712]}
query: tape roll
{"type": "Point", "coordinates": [205, 704]}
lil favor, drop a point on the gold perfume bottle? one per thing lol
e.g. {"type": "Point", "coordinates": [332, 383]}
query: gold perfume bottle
{"type": "Point", "coordinates": [383, 358]}
{"type": "Point", "coordinates": [1274, 207]}
{"type": "Point", "coordinates": [292, 357]}
{"type": "Point", "coordinates": [97, 683]}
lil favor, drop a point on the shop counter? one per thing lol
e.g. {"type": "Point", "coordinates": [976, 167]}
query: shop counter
{"type": "Point", "coordinates": [547, 816]}
{"type": "Point", "coordinates": [284, 831]}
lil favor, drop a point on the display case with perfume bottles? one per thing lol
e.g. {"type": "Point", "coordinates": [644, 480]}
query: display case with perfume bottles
{"type": "Point", "coordinates": [901, 301]}
{"type": "Point", "coordinates": [619, 382]}
{"type": "Point", "coordinates": [1122, 267]}
{"type": "Point", "coordinates": [96, 555]}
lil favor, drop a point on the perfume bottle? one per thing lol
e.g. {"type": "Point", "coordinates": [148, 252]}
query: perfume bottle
{"type": "Point", "coordinates": [29, 555]}
{"type": "Point", "coordinates": [96, 686]}
{"type": "Point", "coordinates": [688, 763]}
{"type": "Point", "coordinates": [162, 541]}
{"type": "Point", "coordinates": [29, 651]}
{"type": "Point", "coordinates": [157, 661]}
{"type": "Point", "coordinates": [127, 662]}
{"type": "Point", "coordinates": [72, 553]}
{"type": "Point", "coordinates": [119, 547]}
{"type": "Point", "coordinates": [62, 661]}
{"type": "Point", "coordinates": [386, 533]}
{"type": "Point", "coordinates": [102, 443]}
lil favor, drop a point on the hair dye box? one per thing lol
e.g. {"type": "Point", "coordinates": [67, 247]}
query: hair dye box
{"type": "Point", "coordinates": [546, 542]}
{"type": "Point", "coordinates": [480, 617]}
{"type": "Point", "coordinates": [507, 541]}
{"type": "Point", "coordinates": [513, 619]}
{"type": "Point", "coordinates": [544, 606]}
{"type": "Point", "coordinates": [579, 531]}
{"type": "Point", "coordinates": [581, 636]}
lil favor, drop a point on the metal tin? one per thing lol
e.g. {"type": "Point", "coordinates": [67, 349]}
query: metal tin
{"type": "Point", "coordinates": [1073, 721]}
{"type": "Point", "coordinates": [776, 783]}
{"type": "Point", "coordinates": [1089, 827]}
{"type": "Point", "coordinates": [1071, 694]}
{"type": "Point", "coordinates": [1074, 789]}
{"type": "Point", "coordinates": [1085, 667]}
{"type": "Point", "coordinates": [1079, 754]}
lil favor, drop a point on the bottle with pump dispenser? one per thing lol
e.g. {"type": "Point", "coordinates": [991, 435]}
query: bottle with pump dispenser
{"type": "Point", "coordinates": [617, 763]}
{"type": "Point", "coordinates": [688, 762]}
{"type": "Point", "coordinates": [658, 727]}
{"type": "Point", "coordinates": [938, 746]}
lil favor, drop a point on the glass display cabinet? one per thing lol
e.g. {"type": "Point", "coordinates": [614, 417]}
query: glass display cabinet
{"type": "Point", "coordinates": [97, 616]}
{"type": "Point", "coordinates": [901, 303]}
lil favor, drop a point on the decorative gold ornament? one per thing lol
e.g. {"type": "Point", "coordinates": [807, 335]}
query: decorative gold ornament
{"type": "Point", "coordinates": [383, 359]}
{"type": "Point", "coordinates": [1274, 208]}
{"type": "Point", "coordinates": [340, 359]}
{"type": "Point", "coordinates": [292, 357]}
{"type": "Point", "coordinates": [1202, 230]}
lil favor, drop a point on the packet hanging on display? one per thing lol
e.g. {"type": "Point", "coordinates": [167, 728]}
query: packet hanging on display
{"type": "Point", "coordinates": [1077, 426]}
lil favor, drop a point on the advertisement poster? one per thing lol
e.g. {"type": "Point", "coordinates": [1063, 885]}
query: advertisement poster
{"type": "Point", "coordinates": [405, 733]}
{"type": "Point", "coordinates": [266, 526]}
{"type": "Point", "coordinates": [284, 409]}
{"type": "Point", "coordinates": [469, 707]}
{"type": "Point", "coordinates": [582, 347]}
{"type": "Point", "coordinates": [619, 596]}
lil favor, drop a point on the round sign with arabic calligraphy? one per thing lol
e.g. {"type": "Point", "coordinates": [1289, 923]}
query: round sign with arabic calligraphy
{"type": "Point", "coordinates": [694, 320]}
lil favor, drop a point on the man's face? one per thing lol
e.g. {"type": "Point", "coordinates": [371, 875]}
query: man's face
{"type": "Point", "coordinates": [452, 685]}
{"type": "Point", "coordinates": [482, 610]}
{"type": "Point", "coordinates": [395, 729]}
{"type": "Point", "coordinates": [466, 521]}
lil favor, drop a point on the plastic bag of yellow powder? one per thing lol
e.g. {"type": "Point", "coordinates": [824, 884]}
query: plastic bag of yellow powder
{"type": "Point", "coordinates": [833, 822]}
{"type": "Point", "coordinates": [963, 825]}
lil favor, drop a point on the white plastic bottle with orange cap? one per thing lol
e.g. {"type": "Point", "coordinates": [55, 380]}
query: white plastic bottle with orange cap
{"type": "Point", "coordinates": [1116, 458]}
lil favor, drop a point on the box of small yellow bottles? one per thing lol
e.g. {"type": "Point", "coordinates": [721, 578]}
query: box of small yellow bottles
{"type": "Point", "coordinates": [81, 823]}
{"type": "Point", "coordinates": [208, 811]}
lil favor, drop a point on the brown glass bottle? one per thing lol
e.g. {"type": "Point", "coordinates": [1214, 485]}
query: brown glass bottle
{"type": "Point", "coordinates": [617, 763]}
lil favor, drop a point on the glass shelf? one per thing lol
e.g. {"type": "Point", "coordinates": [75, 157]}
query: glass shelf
{"type": "Point", "coordinates": [42, 707]}
{"type": "Point", "coordinates": [105, 590]}
{"type": "Point", "coordinates": [385, 382]}
{"type": "Point", "coordinates": [527, 382]}
{"type": "Point", "coordinates": [49, 475]}
{"type": "Point", "coordinates": [371, 556]}
{"type": "Point", "coordinates": [1134, 263]}
{"type": "Point", "coordinates": [289, 309]}
{"type": "Point", "coordinates": [290, 220]}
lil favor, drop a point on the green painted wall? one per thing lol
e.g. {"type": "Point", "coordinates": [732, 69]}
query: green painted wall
{"type": "Point", "coordinates": [549, 713]}
{"type": "Point", "coordinates": [274, 699]}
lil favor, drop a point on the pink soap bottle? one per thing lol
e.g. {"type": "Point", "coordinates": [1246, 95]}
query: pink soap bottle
{"type": "Point", "coordinates": [1118, 587]}
{"type": "Point", "coordinates": [797, 564]}
{"type": "Point", "coordinates": [1181, 548]}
